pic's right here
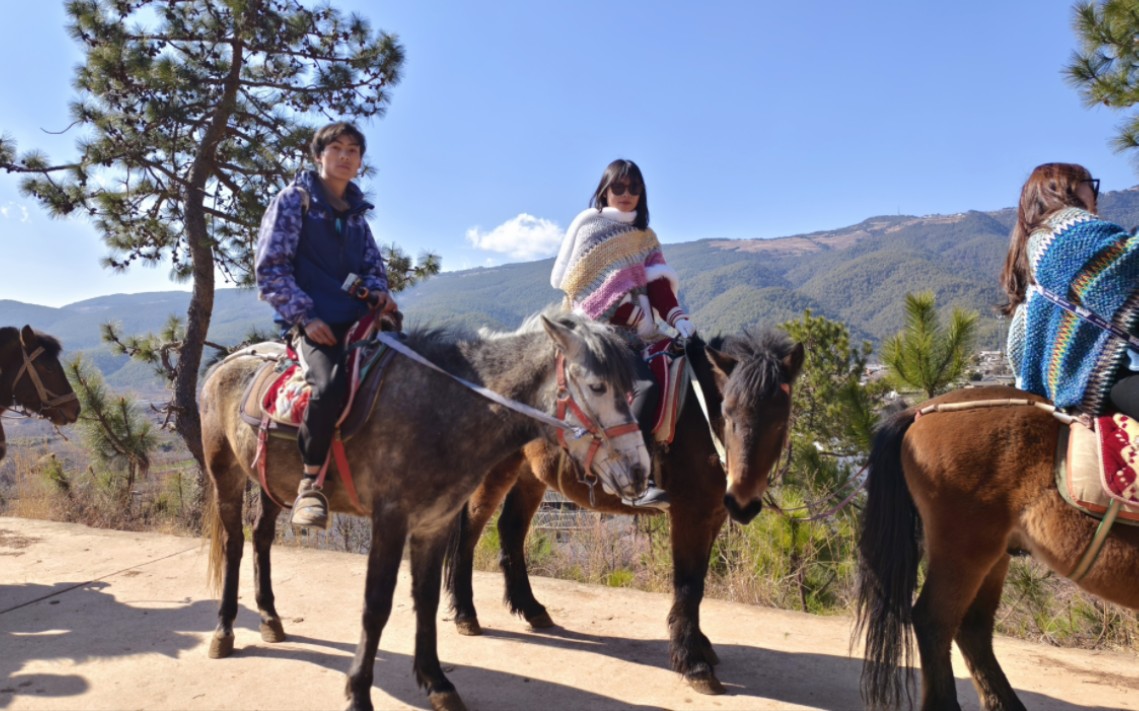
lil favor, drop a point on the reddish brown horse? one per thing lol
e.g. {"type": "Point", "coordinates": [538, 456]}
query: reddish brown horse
{"type": "Point", "coordinates": [31, 377]}
{"type": "Point", "coordinates": [747, 380]}
{"type": "Point", "coordinates": [977, 485]}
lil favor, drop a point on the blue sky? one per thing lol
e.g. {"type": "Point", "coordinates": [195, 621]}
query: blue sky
{"type": "Point", "coordinates": [750, 119]}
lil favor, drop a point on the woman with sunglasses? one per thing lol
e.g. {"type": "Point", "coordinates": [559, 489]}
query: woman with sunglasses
{"type": "Point", "coordinates": [611, 269]}
{"type": "Point", "coordinates": [1063, 257]}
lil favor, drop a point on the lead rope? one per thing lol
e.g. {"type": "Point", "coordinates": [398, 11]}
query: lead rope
{"type": "Point", "coordinates": [399, 347]}
{"type": "Point", "coordinates": [721, 451]}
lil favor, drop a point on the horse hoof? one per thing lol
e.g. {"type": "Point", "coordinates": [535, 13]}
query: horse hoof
{"type": "Point", "coordinates": [705, 683]}
{"type": "Point", "coordinates": [273, 631]}
{"type": "Point", "coordinates": [446, 701]}
{"type": "Point", "coordinates": [468, 628]}
{"type": "Point", "coordinates": [221, 647]}
{"type": "Point", "coordinates": [540, 622]}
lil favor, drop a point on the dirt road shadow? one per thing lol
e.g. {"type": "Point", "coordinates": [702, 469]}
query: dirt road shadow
{"type": "Point", "coordinates": [79, 622]}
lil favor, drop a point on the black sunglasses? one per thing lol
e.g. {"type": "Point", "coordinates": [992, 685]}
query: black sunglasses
{"type": "Point", "coordinates": [620, 188]}
{"type": "Point", "coordinates": [1095, 186]}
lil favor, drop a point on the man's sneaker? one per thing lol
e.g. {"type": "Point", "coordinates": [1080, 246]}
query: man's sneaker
{"type": "Point", "coordinates": [653, 497]}
{"type": "Point", "coordinates": [310, 509]}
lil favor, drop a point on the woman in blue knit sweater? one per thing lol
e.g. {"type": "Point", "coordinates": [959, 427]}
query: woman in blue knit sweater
{"type": "Point", "coordinates": [1059, 246]}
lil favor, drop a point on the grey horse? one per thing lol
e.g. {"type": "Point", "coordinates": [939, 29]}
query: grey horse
{"type": "Point", "coordinates": [417, 461]}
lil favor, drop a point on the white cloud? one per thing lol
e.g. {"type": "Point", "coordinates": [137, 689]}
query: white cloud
{"type": "Point", "coordinates": [522, 237]}
{"type": "Point", "coordinates": [14, 210]}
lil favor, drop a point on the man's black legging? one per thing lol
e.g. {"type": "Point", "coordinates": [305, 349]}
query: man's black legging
{"type": "Point", "coordinates": [328, 377]}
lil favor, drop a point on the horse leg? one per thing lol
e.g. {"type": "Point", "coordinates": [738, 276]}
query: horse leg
{"type": "Point", "coordinates": [426, 573]}
{"type": "Point", "coordinates": [264, 531]}
{"type": "Point", "coordinates": [228, 539]}
{"type": "Point", "coordinates": [389, 531]}
{"type": "Point", "coordinates": [513, 524]}
{"type": "Point", "coordinates": [975, 639]}
{"type": "Point", "coordinates": [961, 560]}
{"type": "Point", "coordinates": [692, 531]}
{"type": "Point", "coordinates": [460, 559]}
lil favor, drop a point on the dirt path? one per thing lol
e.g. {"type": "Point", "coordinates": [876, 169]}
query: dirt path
{"type": "Point", "coordinates": [94, 619]}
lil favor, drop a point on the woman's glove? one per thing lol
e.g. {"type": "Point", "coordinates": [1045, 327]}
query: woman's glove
{"type": "Point", "coordinates": [685, 328]}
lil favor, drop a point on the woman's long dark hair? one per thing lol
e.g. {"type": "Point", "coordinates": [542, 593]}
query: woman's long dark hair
{"type": "Point", "coordinates": [1051, 187]}
{"type": "Point", "coordinates": [622, 169]}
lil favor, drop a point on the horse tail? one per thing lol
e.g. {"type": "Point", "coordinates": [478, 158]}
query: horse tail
{"type": "Point", "coordinates": [212, 527]}
{"type": "Point", "coordinates": [889, 554]}
{"type": "Point", "coordinates": [451, 554]}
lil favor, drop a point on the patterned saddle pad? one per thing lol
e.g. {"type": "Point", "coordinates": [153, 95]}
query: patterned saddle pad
{"type": "Point", "coordinates": [1099, 466]}
{"type": "Point", "coordinates": [278, 396]}
{"type": "Point", "coordinates": [671, 375]}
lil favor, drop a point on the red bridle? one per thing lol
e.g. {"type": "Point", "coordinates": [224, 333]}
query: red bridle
{"type": "Point", "coordinates": [601, 436]}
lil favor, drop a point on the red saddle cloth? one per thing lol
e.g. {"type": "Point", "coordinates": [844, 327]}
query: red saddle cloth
{"type": "Point", "coordinates": [671, 375]}
{"type": "Point", "coordinates": [1119, 452]}
{"type": "Point", "coordinates": [1097, 465]}
{"type": "Point", "coordinates": [287, 398]}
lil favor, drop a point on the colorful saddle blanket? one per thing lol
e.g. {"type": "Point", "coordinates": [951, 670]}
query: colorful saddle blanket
{"type": "Point", "coordinates": [671, 375]}
{"type": "Point", "coordinates": [1095, 467]}
{"type": "Point", "coordinates": [277, 395]}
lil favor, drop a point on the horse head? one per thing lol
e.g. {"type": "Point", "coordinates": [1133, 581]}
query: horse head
{"type": "Point", "coordinates": [592, 383]}
{"type": "Point", "coordinates": [38, 381]}
{"type": "Point", "coordinates": [754, 375]}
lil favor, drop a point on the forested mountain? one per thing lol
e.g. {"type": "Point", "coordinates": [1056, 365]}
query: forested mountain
{"type": "Point", "coordinates": [858, 275]}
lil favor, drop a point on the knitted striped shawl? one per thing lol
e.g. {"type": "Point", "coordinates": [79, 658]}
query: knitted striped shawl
{"type": "Point", "coordinates": [1093, 263]}
{"type": "Point", "coordinates": [604, 258]}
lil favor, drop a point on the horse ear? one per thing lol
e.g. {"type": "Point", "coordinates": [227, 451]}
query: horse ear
{"type": "Point", "coordinates": [564, 337]}
{"type": "Point", "coordinates": [27, 336]}
{"type": "Point", "coordinates": [722, 365]}
{"type": "Point", "coordinates": [794, 362]}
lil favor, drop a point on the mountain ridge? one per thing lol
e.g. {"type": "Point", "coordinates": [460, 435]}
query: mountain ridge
{"type": "Point", "coordinates": [857, 274]}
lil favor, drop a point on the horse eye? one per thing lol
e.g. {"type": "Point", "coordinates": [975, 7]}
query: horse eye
{"type": "Point", "coordinates": [597, 388]}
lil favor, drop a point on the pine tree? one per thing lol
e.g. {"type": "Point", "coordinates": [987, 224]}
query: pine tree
{"type": "Point", "coordinates": [195, 113]}
{"type": "Point", "coordinates": [1105, 69]}
{"type": "Point", "coordinates": [116, 433]}
{"type": "Point", "coordinates": [925, 356]}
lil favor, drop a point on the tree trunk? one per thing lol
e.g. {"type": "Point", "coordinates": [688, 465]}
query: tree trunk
{"type": "Point", "coordinates": [187, 422]}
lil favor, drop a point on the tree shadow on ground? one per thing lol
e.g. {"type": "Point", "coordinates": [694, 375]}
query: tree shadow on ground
{"type": "Point", "coordinates": [42, 622]}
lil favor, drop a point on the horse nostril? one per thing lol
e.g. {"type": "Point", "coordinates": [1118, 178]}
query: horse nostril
{"type": "Point", "coordinates": [638, 473]}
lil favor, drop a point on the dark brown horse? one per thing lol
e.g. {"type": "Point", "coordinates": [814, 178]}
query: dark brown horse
{"type": "Point", "coordinates": [416, 462]}
{"type": "Point", "coordinates": [977, 485]}
{"type": "Point", "coordinates": [32, 378]}
{"type": "Point", "coordinates": [747, 381]}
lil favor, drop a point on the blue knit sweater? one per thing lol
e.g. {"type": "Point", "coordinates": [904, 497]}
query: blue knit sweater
{"type": "Point", "coordinates": [1090, 262]}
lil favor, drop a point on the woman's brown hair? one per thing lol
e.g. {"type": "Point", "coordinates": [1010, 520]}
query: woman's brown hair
{"type": "Point", "coordinates": [1049, 188]}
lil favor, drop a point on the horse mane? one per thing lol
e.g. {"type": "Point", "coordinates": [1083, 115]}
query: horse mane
{"type": "Point", "coordinates": [759, 355]}
{"type": "Point", "coordinates": [607, 351]}
{"type": "Point", "coordinates": [51, 345]}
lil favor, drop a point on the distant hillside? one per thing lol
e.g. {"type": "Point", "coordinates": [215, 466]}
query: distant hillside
{"type": "Point", "coordinates": [858, 275]}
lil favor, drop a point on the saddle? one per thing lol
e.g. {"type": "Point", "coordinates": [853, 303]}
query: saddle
{"type": "Point", "coordinates": [1096, 466]}
{"type": "Point", "coordinates": [277, 396]}
{"type": "Point", "coordinates": [671, 375]}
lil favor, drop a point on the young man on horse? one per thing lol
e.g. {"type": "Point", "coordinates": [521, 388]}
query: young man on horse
{"type": "Point", "coordinates": [312, 238]}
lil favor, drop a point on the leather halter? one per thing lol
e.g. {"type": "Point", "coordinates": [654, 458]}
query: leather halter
{"type": "Point", "coordinates": [48, 399]}
{"type": "Point", "coordinates": [601, 436]}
